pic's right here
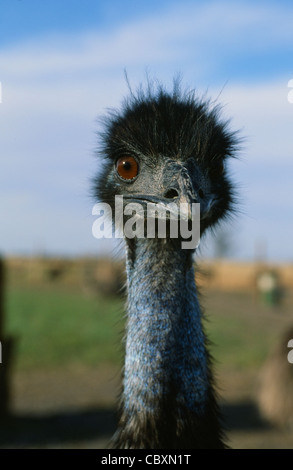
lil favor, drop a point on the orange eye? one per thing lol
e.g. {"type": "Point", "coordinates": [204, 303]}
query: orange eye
{"type": "Point", "coordinates": [127, 168]}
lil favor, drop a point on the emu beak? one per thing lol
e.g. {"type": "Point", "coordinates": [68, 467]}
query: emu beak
{"type": "Point", "coordinates": [159, 207]}
{"type": "Point", "coordinates": [175, 199]}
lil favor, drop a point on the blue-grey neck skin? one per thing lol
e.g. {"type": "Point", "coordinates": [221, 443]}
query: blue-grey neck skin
{"type": "Point", "coordinates": [165, 344]}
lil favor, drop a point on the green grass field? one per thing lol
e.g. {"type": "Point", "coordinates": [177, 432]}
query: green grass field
{"type": "Point", "coordinates": [56, 326]}
{"type": "Point", "coordinates": [68, 356]}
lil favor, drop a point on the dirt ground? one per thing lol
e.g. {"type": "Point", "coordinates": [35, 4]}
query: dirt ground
{"type": "Point", "coordinates": [75, 408]}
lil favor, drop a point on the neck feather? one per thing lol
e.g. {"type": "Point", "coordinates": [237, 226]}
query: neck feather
{"type": "Point", "coordinates": [165, 347]}
{"type": "Point", "coordinates": [167, 399]}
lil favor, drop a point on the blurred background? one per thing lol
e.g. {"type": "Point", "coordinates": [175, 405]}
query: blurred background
{"type": "Point", "coordinates": [61, 290]}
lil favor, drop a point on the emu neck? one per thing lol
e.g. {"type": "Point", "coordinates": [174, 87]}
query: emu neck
{"type": "Point", "coordinates": [165, 352]}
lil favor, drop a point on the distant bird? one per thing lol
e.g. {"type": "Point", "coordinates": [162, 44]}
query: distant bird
{"type": "Point", "coordinates": [275, 393]}
{"type": "Point", "coordinates": [159, 148]}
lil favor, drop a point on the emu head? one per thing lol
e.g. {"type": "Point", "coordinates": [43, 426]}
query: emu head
{"type": "Point", "coordinates": [164, 148]}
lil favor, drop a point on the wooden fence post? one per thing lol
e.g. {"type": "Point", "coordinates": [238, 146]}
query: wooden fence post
{"type": "Point", "coordinates": [5, 351]}
{"type": "Point", "coordinates": [1, 298]}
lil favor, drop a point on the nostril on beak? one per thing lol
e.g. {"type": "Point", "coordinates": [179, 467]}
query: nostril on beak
{"type": "Point", "coordinates": [171, 193]}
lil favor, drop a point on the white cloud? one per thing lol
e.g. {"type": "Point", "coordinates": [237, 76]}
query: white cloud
{"type": "Point", "coordinates": [265, 118]}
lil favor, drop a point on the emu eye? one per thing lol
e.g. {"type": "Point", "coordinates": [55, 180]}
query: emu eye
{"type": "Point", "coordinates": [127, 168]}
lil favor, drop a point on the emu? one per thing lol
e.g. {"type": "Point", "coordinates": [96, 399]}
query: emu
{"type": "Point", "coordinates": [163, 147]}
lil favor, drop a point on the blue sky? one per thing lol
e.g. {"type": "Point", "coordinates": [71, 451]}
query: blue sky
{"type": "Point", "coordinates": [62, 65]}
